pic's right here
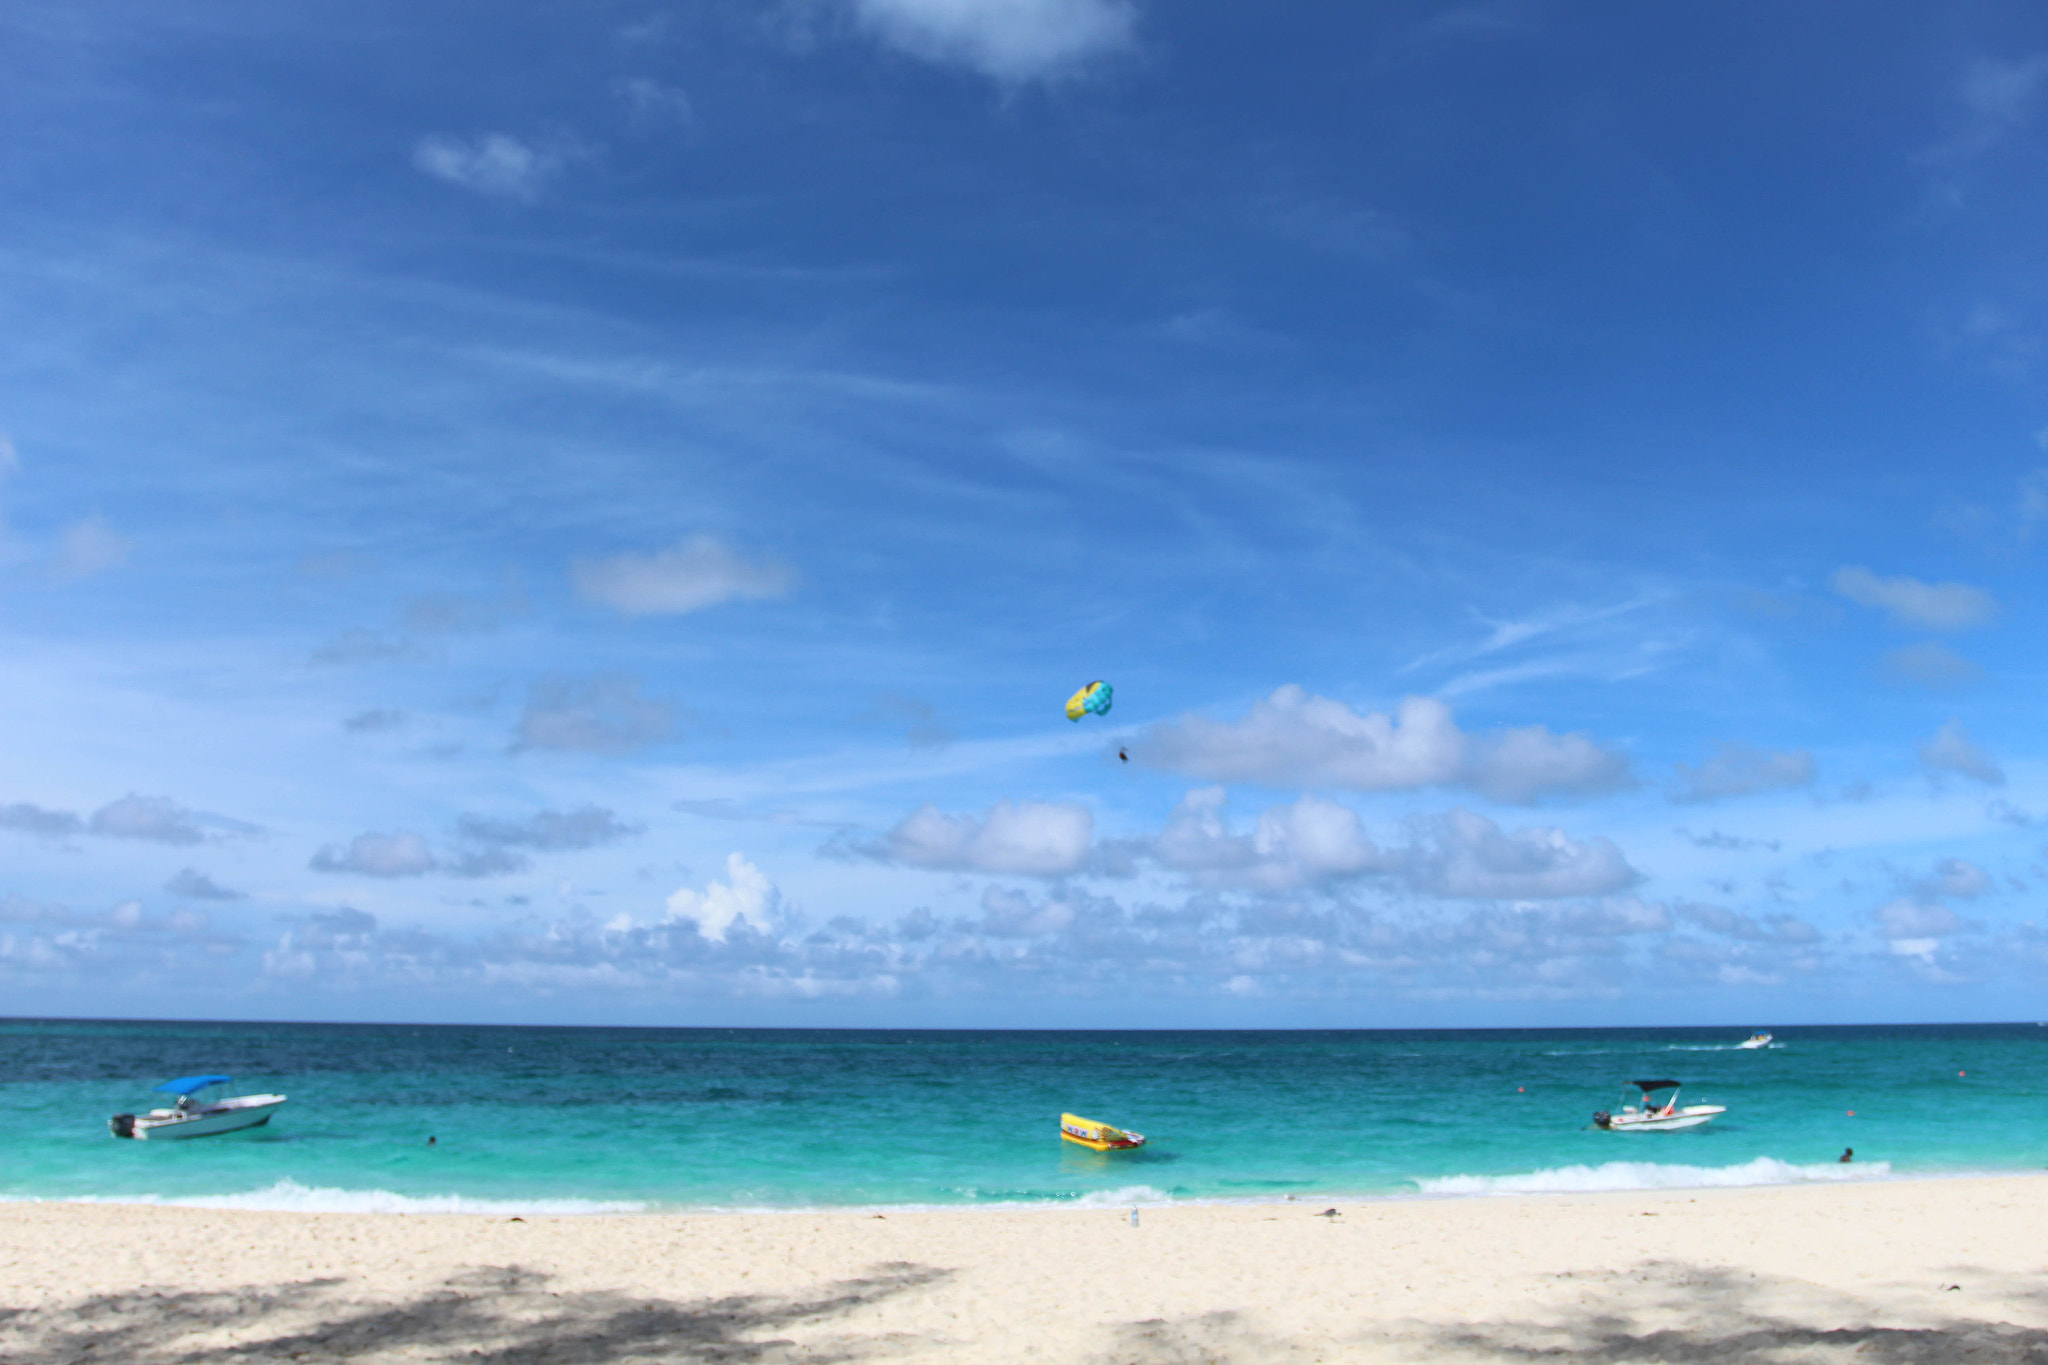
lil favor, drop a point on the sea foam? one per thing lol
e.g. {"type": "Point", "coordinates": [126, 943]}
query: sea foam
{"type": "Point", "coordinates": [1649, 1175]}
{"type": "Point", "coordinates": [291, 1197]}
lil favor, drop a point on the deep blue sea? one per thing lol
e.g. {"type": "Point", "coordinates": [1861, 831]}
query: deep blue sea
{"type": "Point", "coordinates": [596, 1119]}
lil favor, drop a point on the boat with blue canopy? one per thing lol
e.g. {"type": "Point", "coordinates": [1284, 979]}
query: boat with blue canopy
{"type": "Point", "coordinates": [193, 1117]}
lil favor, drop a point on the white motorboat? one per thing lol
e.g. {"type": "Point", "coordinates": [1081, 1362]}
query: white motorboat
{"type": "Point", "coordinates": [1755, 1040]}
{"type": "Point", "coordinates": [1654, 1111]}
{"type": "Point", "coordinates": [190, 1118]}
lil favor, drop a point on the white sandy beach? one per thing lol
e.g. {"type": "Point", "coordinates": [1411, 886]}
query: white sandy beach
{"type": "Point", "coordinates": [1901, 1271]}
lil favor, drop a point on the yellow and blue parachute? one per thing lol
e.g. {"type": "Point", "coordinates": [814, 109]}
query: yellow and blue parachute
{"type": "Point", "coordinates": [1092, 698]}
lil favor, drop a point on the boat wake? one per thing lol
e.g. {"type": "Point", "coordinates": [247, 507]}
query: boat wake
{"type": "Point", "coordinates": [1651, 1175]}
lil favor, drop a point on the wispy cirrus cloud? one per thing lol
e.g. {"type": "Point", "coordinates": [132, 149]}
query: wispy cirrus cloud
{"type": "Point", "coordinates": [1738, 770]}
{"type": "Point", "coordinates": [1951, 750]}
{"type": "Point", "coordinates": [1009, 40]}
{"type": "Point", "coordinates": [601, 715]}
{"type": "Point", "coordinates": [696, 573]}
{"type": "Point", "coordinates": [497, 165]}
{"type": "Point", "coordinates": [1912, 602]}
{"type": "Point", "coordinates": [550, 830]}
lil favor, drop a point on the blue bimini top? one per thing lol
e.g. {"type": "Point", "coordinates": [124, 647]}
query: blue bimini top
{"type": "Point", "coordinates": [185, 1085]}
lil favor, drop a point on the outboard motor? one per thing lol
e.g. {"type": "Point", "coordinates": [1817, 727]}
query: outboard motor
{"type": "Point", "coordinates": [122, 1125]}
{"type": "Point", "coordinates": [1602, 1119]}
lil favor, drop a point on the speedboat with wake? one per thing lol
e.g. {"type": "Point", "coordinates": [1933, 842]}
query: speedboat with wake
{"type": "Point", "coordinates": [1755, 1040]}
{"type": "Point", "coordinates": [1655, 1110]}
{"type": "Point", "coordinates": [191, 1117]}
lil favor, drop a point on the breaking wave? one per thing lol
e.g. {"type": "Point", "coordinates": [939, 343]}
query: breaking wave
{"type": "Point", "coordinates": [291, 1197]}
{"type": "Point", "coordinates": [1650, 1175]}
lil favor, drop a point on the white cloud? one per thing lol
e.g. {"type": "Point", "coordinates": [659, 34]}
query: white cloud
{"type": "Point", "coordinates": [1912, 918]}
{"type": "Point", "coordinates": [378, 855]}
{"type": "Point", "coordinates": [1293, 739]}
{"type": "Point", "coordinates": [1910, 602]}
{"type": "Point", "coordinates": [1030, 838]}
{"type": "Point", "coordinates": [88, 547]}
{"type": "Point", "coordinates": [146, 817]}
{"type": "Point", "coordinates": [1312, 841]}
{"type": "Point", "coordinates": [190, 882]}
{"type": "Point", "coordinates": [1466, 855]}
{"type": "Point", "coordinates": [1957, 878]}
{"type": "Point", "coordinates": [604, 715]}
{"type": "Point", "coordinates": [1011, 914]}
{"type": "Point", "coordinates": [1738, 770]}
{"type": "Point", "coordinates": [1953, 751]}
{"type": "Point", "coordinates": [1315, 840]}
{"type": "Point", "coordinates": [746, 898]}
{"type": "Point", "coordinates": [585, 827]}
{"type": "Point", "coordinates": [1010, 40]}
{"type": "Point", "coordinates": [495, 164]}
{"type": "Point", "coordinates": [697, 573]}
{"type": "Point", "coordinates": [33, 819]}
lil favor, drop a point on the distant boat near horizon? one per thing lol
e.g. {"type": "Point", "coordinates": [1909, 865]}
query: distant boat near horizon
{"type": "Point", "coordinates": [1755, 1040]}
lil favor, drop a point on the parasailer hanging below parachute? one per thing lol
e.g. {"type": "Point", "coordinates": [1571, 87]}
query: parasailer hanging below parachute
{"type": "Point", "coordinates": [1092, 698]}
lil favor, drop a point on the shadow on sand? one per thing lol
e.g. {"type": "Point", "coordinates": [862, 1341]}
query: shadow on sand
{"type": "Point", "coordinates": [500, 1316]}
{"type": "Point", "coordinates": [1662, 1313]}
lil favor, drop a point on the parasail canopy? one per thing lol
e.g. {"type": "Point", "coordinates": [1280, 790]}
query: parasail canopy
{"type": "Point", "coordinates": [1094, 698]}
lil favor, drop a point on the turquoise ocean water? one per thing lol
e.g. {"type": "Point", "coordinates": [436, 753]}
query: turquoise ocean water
{"type": "Point", "coordinates": [565, 1120]}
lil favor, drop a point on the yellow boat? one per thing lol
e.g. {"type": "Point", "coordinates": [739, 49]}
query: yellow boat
{"type": "Point", "coordinates": [1098, 1136]}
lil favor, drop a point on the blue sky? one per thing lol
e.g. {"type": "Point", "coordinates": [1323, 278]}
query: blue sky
{"type": "Point", "coordinates": [590, 514]}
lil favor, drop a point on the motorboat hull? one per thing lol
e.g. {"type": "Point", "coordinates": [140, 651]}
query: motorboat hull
{"type": "Point", "coordinates": [228, 1116]}
{"type": "Point", "coordinates": [1691, 1116]}
{"type": "Point", "coordinates": [1751, 1044]}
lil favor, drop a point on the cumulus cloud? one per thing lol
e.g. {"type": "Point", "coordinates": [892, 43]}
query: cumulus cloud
{"type": "Point", "coordinates": [1953, 751]}
{"type": "Point", "coordinates": [495, 164]}
{"type": "Point", "coordinates": [378, 855]}
{"type": "Point", "coordinates": [88, 547]}
{"type": "Point", "coordinates": [603, 715]}
{"type": "Point", "coordinates": [1012, 914]}
{"type": "Point", "coordinates": [697, 573]}
{"type": "Point", "coordinates": [1778, 928]}
{"type": "Point", "coordinates": [1738, 770]}
{"type": "Point", "coordinates": [1294, 739]}
{"type": "Point", "coordinates": [1312, 841]}
{"type": "Point", "coordinates": [1910, 917]}
{"type": "Point", "coordinates": [584, 827]}
{"type": "Point", "coordinates": [1029, 838]}
{"type": "Point", "coordinates": [1910, 602]}
{"type": "Point", "coordinates": [1010, 40]}
{"type": "Point", "coordinates": [1463, 854]}
{"type": "Point", "coordinates": [745, 899]}
{"type": "Point", "coordinates": [199, 886]}
{"type": "Point", "coordinates": [1954, 877]}
{"type": "Point", "coordinates": [33, 819]}
{"type": "Point", "coordinates": [146, 817]}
